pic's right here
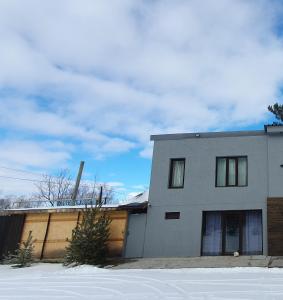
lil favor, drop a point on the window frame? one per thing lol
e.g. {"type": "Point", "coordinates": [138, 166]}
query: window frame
{"type": "Point", "coordinates": [172, 160]}
{"type": "Point", "coordinates": [227, 158]}
{"type": "Point", "coordinates": [224, 213]}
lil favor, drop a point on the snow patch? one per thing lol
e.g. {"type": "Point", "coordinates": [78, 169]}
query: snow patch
{"type": "Point", "coordinates": [53, 281]}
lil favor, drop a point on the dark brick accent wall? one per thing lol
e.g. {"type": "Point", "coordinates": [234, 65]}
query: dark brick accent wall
{"type": "Point", "coordinates": [275, 226]}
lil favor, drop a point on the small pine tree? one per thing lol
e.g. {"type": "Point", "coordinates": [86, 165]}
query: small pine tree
{"type": "Point", "coordinates": [89, 239]}
{"type": "Point", "coordinates": [277, 110]}
{"type": "Point", "coordinates": [23, 256]}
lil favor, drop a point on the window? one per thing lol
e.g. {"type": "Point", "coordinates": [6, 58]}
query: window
{"type": "Point", "coordinates": [231, 171]}
{"type": "Point", "coordinates": [226, 232]}
{"type": "Point", "coordinates": [177, 171]}
{"type": "Point", "coordinates": [172, 215]}
{"type": "Point", "coordinates": [212, 233]}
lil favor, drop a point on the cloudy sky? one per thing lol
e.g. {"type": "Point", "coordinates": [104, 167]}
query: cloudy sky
{"type": "Point", "coordinates": [92, 79]}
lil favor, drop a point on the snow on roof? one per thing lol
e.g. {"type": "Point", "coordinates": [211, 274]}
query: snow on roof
{"type": "Point", "coordinates": [139, 198]}
{"type": "Point", "coordinates": [135, 200]}
{"type": "Point", "coordinates": [63, 207]}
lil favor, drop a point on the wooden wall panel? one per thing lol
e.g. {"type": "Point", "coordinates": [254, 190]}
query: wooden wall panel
{"type": "Point", "coordinates": [275, 226]}
{"type": "Point", "coordinates": [117, 233]}
{"type": "Point", "coordinates": [117, 228]}
{"type": "Point", "coordinates": [37, 224]}
{"type": "Point", "coordinates": [60, 229]}
{"type": "Point", "coordinates": [115, 248]}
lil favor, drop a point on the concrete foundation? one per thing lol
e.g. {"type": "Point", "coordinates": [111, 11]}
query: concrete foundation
{"type": "Point", "coordinates": [203, 262]}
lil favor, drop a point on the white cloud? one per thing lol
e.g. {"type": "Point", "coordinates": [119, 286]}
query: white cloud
{"type": "Point", "coordinates": [140, 187]}
{"type": "Point", "coordinates": [108, 76]}
{"type": "Point", "coordinates": [116, 185]}
{"type": "Point", "coordinates": [147, 151]}
{"type": "Point", "coordinates": [10, 185]}
{"type": "Point", "coordinates": [17, 157]}
{"type": "Point", "coordinates": [33, 154]}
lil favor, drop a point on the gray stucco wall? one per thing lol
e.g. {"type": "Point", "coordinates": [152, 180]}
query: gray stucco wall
{"type": "Point", "coordinates": [183, 237]}
{"type": "Point", "coordinates": [275, 159]}
{"type": "Point", "coordinates": [135, 235]}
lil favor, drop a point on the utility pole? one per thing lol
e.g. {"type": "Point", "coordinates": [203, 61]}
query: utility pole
{"type": "Point", "coordinates": [100, 196]}
{"type": "Point", "coordinates": [79, 176]}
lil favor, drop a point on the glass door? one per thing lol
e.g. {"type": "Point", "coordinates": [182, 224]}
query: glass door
{"type": "Point", "coordinates": [232, 233]}
{"type": "Point", "coordinates": [226, 232]}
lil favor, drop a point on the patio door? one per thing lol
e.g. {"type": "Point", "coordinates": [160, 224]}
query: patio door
{"type": "Point", "coordinates": [232, 233]}
{"type": "Point", "coordinates": [226, 232]}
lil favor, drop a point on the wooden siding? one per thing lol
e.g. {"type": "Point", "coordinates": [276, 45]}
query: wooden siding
{"type": "Point", "coordinates": [51, 240]}
{"type": "Point", "coordinates": [36, 223]}
{"type": "Point", "coordinates": [275, 226]}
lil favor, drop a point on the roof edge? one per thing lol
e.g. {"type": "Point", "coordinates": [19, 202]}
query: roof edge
{"type": "Point", "coordinates": [273, 128]}
{"type": "Point", "coordinates": [178, 136]}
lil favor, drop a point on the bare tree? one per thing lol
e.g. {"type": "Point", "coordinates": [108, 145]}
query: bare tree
{"type": "Point", "coordinates": [89, 193]}
{"type": "Point", "coordinates": [23, 202]}
{"type": "Point", "coordinates": [107, 194]}
{"type": "Point", "coordinates": [16, 201]}
{"type": "Point", "coordinates": [55, 189]}
{"type": "Point", "coordinates": [5, 203]}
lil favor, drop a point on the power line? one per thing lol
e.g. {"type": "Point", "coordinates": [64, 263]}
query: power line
{"type": "Point", "coordinates": [39, 174]}
{"type": "Point", "coordinates": [24, 179]}
{"type": "Point", "coordinates": [35, 180]}
{"type": "Point", "coordinates": [35, 173]}
{"type": "Point", "coordinates": [42, 181]}
{"type": "Point", "coordinates": [29, 172]}
{"type": "Point", "coordinates": [22, 171]}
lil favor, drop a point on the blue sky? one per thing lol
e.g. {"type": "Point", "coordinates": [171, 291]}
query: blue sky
{"type": "Point", "coordinates": [92, 80]}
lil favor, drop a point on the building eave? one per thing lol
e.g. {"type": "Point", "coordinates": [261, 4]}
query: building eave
{"type": "Point", "coordinates": [197, 135]}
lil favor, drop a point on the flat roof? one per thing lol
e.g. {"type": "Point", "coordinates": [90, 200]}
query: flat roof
{"type": "Point", "coordinates": [63, 209]}
{"type": "Point", "coordinates": [52, 209]}
{"type": "Point", "coordinates": [178, 136]}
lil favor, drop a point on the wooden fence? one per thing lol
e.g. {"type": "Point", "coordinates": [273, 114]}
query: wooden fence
{"type": "Point", "coordinates": [52, 228]}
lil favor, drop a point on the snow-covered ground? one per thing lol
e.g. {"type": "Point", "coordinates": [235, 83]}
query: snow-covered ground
{"type": "Point", "coordinates": [52, 281]}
